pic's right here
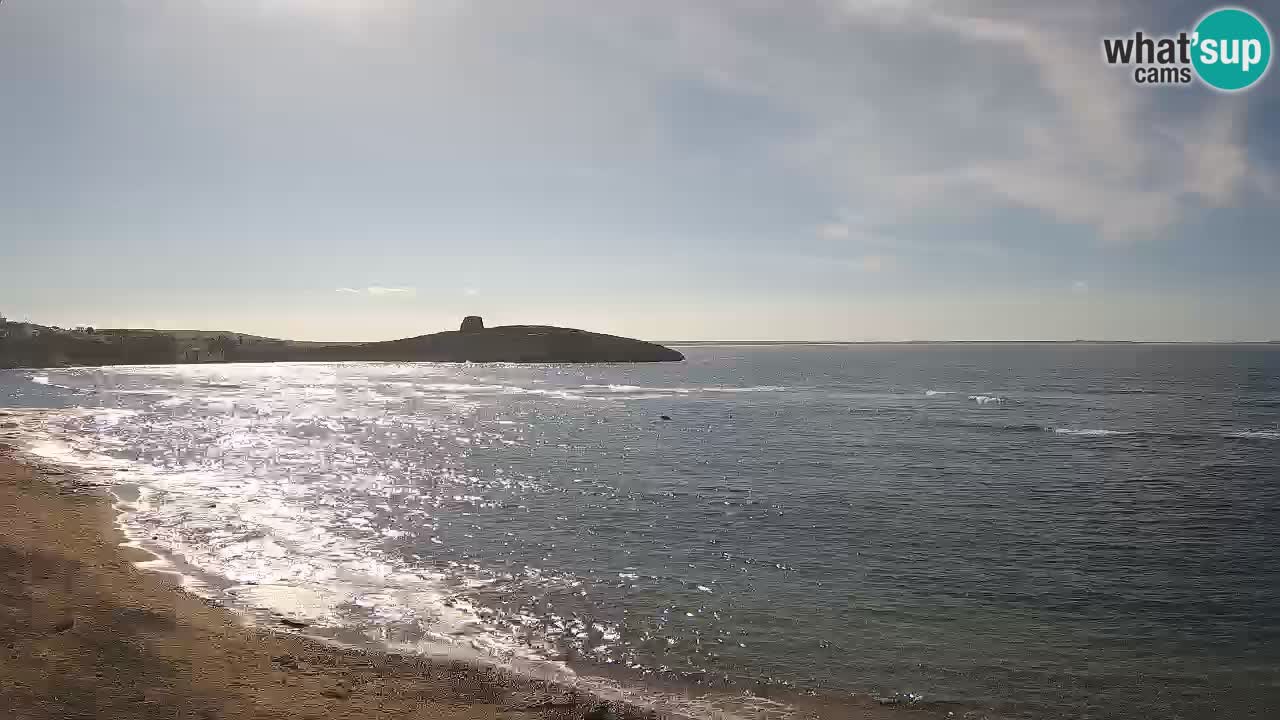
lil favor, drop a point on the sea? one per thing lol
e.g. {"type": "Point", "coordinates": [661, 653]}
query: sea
{"type": "Point", "coordinates": [1007, 530]}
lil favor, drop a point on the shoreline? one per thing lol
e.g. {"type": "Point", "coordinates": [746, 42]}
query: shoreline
{"type": "Point", "coordinates": [95, 627]}
{"type": "Point", "coordinates": [89, 634]}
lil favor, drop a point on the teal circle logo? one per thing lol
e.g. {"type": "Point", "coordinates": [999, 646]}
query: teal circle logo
{"type": "Point", "coordinates": [1232, 49]}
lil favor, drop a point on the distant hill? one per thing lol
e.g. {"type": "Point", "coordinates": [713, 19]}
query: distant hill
{"type": "Point", "coordinates": [29, 345]}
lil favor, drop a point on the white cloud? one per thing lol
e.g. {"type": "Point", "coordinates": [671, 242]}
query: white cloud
{"type": "Point", "coordinates": [1080, 287]}
{"type": "Point", "coordinates": [379, 291]}
{"type": "Point", "coordinates": [961, 108]}
{"type": "Point", "coordinates": [901, 110]}
{"type": "Point", "coordinates": [471, 292]}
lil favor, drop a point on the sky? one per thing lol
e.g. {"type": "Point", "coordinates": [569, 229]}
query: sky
{"type": "Point", "coordinates": [667, 169]}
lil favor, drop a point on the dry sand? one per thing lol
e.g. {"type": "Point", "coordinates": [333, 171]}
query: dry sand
{"type": "Point", "coordinates": [86, 634]}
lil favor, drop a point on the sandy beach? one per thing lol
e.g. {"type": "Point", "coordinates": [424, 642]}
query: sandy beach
{"type": "Point", "coordinates": [87, 634]}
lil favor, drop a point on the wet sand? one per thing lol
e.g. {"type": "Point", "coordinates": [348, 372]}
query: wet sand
{"type": "Point", "coordinates": [84, 633]}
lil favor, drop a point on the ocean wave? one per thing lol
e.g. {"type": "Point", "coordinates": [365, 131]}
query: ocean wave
{"type": "Point", "coordinates": [1091, 432]}
{"type": "Point", "coordinates": [932, 393]}
{"type": "Point", "coordinates": [988, 399]}
{"type": "Point", "coordinates": [683, 390]}
{"type": "Point", "coordinates": [44, 380]}
{"type": "Point", "coordinates": [450, 387]}
{"type": "Point", "coordinates": [288, 552]}
{"type": "Point", "coordinates": [1256, 435]}
{"type": "Point", "coordinates": [562, 394]}
{"type": "Point", "coordinates": [638, 389]}
{"type": "Point", "coordinates": [1125, 391]}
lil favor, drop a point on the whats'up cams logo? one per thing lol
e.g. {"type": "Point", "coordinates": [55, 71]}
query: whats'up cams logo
{"type": "Point", "coordinates": [1229, 49]}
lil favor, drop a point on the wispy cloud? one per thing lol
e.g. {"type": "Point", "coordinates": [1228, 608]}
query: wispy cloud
{"type": "Point", "coordinates": [902, 110]}
{"type": "Point", "coordinates": [855, 229]}
{"type": "Point", "coordinates": [963, 108]}
{"type": "Point", "coordinates": [377, 291]}
{"type": "Point", "coordinates": [380, 291]}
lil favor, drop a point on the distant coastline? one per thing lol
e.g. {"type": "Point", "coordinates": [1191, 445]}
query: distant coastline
{"type": "Point", "coordinates": [30, 345]}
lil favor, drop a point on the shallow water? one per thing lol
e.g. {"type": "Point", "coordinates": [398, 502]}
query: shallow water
{"type": "Point", "coordinates": [1053, 531]}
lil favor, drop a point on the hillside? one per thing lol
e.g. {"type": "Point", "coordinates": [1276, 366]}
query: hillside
{"type": "Point", "coordinates": [28, 345]}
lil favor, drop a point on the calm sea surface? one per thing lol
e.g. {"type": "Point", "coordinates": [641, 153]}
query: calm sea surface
{"type": "Point", "coordinates": [1072, 531]}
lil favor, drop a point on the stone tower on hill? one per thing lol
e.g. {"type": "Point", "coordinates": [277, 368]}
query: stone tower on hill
{"type": "Point", "coordinates": [472, 322]}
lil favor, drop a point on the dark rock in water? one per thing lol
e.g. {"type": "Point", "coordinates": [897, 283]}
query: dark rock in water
{"type": "Point", "coordinates": [293, 623]}
{"type": "Point", "coordinates": [64, 625]}
{"type": "Point", "coordinates": [664, 417]}
{"type": "Point", "coordinates": [600, 712]}
{"type": "Point", "coordinates": [471, 323]}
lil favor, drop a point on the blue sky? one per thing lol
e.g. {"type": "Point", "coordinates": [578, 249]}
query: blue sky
{"type": "Point", "coordinates": [764, 169]}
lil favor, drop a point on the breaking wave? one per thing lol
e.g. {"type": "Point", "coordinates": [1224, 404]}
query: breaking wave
{"type": "Point", "coordinates": [1090, 432]}
{"type": "Point", "coordinates": [988, 399]}
{"type": "Point", "coordinates": [630, 389]}
{"type": "Point", "coordinates": [1256, 435]}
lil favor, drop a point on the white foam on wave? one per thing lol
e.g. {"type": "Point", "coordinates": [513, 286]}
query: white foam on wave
{"type": "Point", "coordinates": [634, 389]}
{"type": "Point", "coordinates": [450, 387]}
{"type": "Point", "coordinates": [1256, 435]}
{"type": "Point", "coordinates": [281, 547]}
{"type": "Point", "coordinates": [682, 390]}
{"type": "Point", "coordinates": [270, 544]}
{"type": "Point", "coordinates": [242, 540]}
{"type": "Point", "coordinates": [1090, 432]}
{"type": "Point", "coordinates": [987, 399]}
{"type": "Point", "coordinates": [44, 380]}
{"type": "Point", "coordinates": [932, 393]}
{"type": "Point", "coordinates": [456, 390]}
{"type": "Point", "coordinates": [561, 394]}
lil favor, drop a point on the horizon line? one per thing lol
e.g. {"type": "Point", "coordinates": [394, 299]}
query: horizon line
{"type": "Point", "coordinates": [969, 342]}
